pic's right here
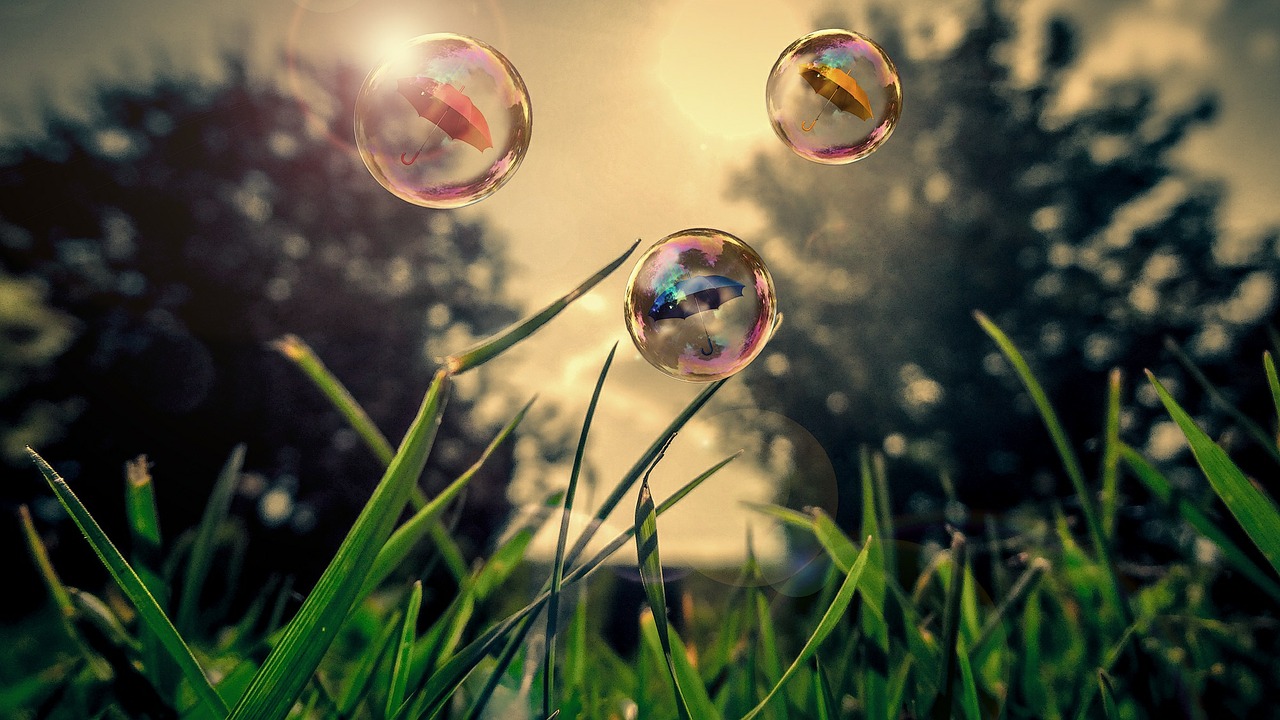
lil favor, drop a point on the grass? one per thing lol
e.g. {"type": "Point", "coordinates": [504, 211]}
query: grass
{"type": "Point", "coordinates": [1070, 628]}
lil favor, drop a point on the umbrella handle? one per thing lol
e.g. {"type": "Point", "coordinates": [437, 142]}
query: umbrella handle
{"type": "Point", "coordinates": [809, 125]}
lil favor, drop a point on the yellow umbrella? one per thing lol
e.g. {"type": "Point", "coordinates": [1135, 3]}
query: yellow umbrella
{"type": "Point", "coordinates": [839, 88]}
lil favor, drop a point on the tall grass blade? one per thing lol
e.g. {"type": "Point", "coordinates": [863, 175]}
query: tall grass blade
{"type": "Point", "coordinates": [829, 620]}
{"type": "Point", "coordinates": [1086, 698]}
{"type": "Point", "coordinates": [148, 610]}
{"type": "Point", "coordinates": [140, 509]}
{"type": "Point", "coordinates": [1255, 512]}
{"type": "Point", "coordinates": [951, 628]}
{"type": "Point", "coordinates": [202, 550]}
{"type": "Point", "coordinates": [968, 686]}
{"type": "Point", "coordinates": [490, 348]}
{"type": "Point", "coordinates": [358, 684]}
{"type": "Point", "coordinates": [1274, 383]}
{"type": "Point", "coordinates": [1111, 457]}
{"type": "Point", "coordinates": [40, 555]}
{"type": "Point", "coordinates": [692, 696]}
{"type": "Point", "coordinates": [284, 673]}
{"type": "Point", "coordinates": [404, 649]}
{"type": "Point", "coordinates": [557, 568]}
{"type": "Point", "coordinates": [1253, 429]}
{"type": "Point", "coordinates": [875, 629]}
{"type": "Point", "coordinates": [649, 562]}
{"type": "Point", "coordinates": [503, 661]}
{"type": "Point", "coordinates": [408, 535]}
{"type": "Point", "coordinates": [453, 673]}
{"type": "Point", "coordinates": [300, 353]}
{"type": "Point", "coordinates": [1158, 485]}
{"type": "Point", "coordinates": [1070, 462]}
{"type": "Point", "coordinates": [1108, 696]}
{"type": "Point", "coordinates": [1024, 586]}
{"type": "Point", "coordinates": [824, 702]}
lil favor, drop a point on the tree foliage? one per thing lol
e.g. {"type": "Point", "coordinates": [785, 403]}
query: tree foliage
{"type": "Point", "coordinates": [1078, 233]}
{"type": "Point", "coordinates": [175, 232]}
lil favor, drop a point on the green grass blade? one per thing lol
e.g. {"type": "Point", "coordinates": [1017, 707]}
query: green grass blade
{"type": "Point", "coordinates": [1158, 485]}
{"type": "Point", "coordinates": [829, 620]}
{"type": "Point", "coordinates": [1070, 462]}
{"type": "Point", "coordinates": [557, 568]}
{"type": "Point", "coordinates": [140, 509]}
{"type": "Point", "coordinates": [362, 674]}
{"type": "Point", "coordinates": [645, 461]}
{"type": "Point", "coordinates": [451, 675]}
{"type": "Point", "coordinates": [968, 686]}
{"type": "Point", "coordinates": [649, 562]}
{"type": "Point", "coordinates": [408, 535]}
{"type": "Point", "coordinates": [693, 696]}
{"type": "Point", "coordinates": [202, 550]}
{"type": "Point", "coordinates": [1111, 457]}
{"type": "Point", "coordinates": [1256, 513]}
{"type": "Point", "coordinates": [875, 629]}
{"type": "Point", "coordinates": [149, 611]}
{"type": "Point", "coordinates": [284, 673]}
{"type": "Point", "coordinates": [1108, 696]}
{"type": "Point", "coordinates": [1272, 382]}
{"type": "Point", "coordinates": [1086, 699]}
{"type": "Point", "coordinates": [300, 354]}
{"type": "Point", "coordinates": [490, 348]}
{"type": "Point", "coordinates": [1253, 429]}
{"type": "Point", "coordinates": [404, 649]}
{"type": "Point", "coordinates": [951, 627]}
{"type": "Point", "coordinates": [824, 702]}
{"type": "Point", "coordinates": [40, 555]}
{"type": "Point", "coordinates": [481, 701]}
{"type": "Point", "coordinates": [1025, 585]}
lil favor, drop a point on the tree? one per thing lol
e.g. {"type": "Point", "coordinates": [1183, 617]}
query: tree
{"type": "Point", "coordinates": [1077, 235]}
{"type": "Point", "coordinates": [176, 232]}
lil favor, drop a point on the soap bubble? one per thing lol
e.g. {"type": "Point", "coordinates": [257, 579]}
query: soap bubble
{"type": "Point", "coordinates": [700, 305]}
{"type": "Point", "coordinates": [833, 96]}
{"type": "Point", "coordinates": [444, 121]}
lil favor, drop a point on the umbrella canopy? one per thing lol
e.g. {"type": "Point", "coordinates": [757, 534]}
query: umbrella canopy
{"type": "Point", "coordinates": [694, 295]}
{"type": "Point", "coordinates": [839, 88]}
{"type": "Point", "coordinates": [448, 108]}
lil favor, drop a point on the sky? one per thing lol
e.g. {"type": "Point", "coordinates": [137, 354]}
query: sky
{"type": "Point", "coordinates": [641, 113]}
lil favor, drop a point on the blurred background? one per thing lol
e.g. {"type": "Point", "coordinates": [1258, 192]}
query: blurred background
{"type": "Point", "coordinates": [179, 187]}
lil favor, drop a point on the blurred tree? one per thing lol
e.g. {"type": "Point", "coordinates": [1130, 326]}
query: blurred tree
{"type": "Point", "coordinates": [1076, 233]}
{"type": "Point", "coordinates": [181, 227]}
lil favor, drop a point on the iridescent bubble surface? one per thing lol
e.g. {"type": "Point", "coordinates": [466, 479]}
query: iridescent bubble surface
{"type": "Point", "coordinates": [700, 305]}
{"type": "Point", "coordinates": [444, 121]}
{"type": "Point", "coordinates": [833, 96]}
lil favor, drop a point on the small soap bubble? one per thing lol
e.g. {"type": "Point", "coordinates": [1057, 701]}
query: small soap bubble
{"type": "Point", "coordinates": [833, 96]}
{"type": "Point", "coordinates": [700, 305]}
{"type": "Point", "coordinates": [444, 121]}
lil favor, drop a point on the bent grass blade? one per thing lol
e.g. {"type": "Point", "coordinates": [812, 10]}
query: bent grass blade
{"type": "Point", "coordinates": [148, 609]}
{"type": "Point", "coordinates": [828, 623]}
{"type": "Point", "coordinates": [286, 670]}
{"type": "Point", "coordinates": [490, 348]}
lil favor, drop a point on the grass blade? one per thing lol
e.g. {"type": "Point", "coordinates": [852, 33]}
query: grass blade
{"type": "Point", "coordinates": [1272, 382]}
{"type": "Point", "coordinates": [951, 627]}
{"type": "Point", "coordinates": [828, 623]}
{"type": "Point", "coordinates": [140, 509]}
{"type": "Point", "coordinates": [968, 687]}
{"type": "Point", "coordinates": [1158, 485]}
{"type": "Point", "coordinates": [1255, 512]}
{"type": "Point", "coordinates": [362, 674]}
{"type": "Point", "coordinates": [649, 562]}
{"type": "Point", "coordinates": [148, 610]}
{"type": "Point", "coordinates": [284, 673]}
{"type": "Point", "coordinates": [202, 550]}
{"type": "Point", "coordinates": [300, 354]}
{"type": "Point", "coordinates": [1108, 696]}
{"type": "Point", "coordinates": [1111, 457]}
{"type": "Point", "coordinates": [407, 536]}
{"type": "Point", "coordinates": [490, 348]}
{"type": "Point", "coordinates": [1025, 585]}
{"type": "Point", "coordinates": [1069, 460]}
{"type": "Point", "coordinates": [557, 570]}
{"type": "Point", "coordinates": [824, 701]}
{"type": "Point", "coordinates": [1255, 431]}
{"type": "Point", "coordinates": [404, 649]}
{"type": "Point", "coordinates": [446, 681]}
{"type": "Point", "coordinates": [693, 694]}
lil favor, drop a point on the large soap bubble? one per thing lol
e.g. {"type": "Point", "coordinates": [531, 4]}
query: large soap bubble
{"type": "Point", "coordinates": [444, 121]}
{"type": "Point", "coordinates": [700, 305]}
{"type": "Point", "coordinates": [833, 96]}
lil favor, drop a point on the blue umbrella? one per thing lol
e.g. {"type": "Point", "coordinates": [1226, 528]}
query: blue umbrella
{"type": "Point", "coordinates": [695, 295]}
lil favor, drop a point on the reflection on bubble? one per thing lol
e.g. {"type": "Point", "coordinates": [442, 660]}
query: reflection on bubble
{"type": "Point", "coordinates": [833, 96]}
{"type": "Point", "coordinates": [700, 305]}
{"type": "Point", "coordinates": [444, 121]}
{"type": "Point", "coordinates": [783, 465]}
